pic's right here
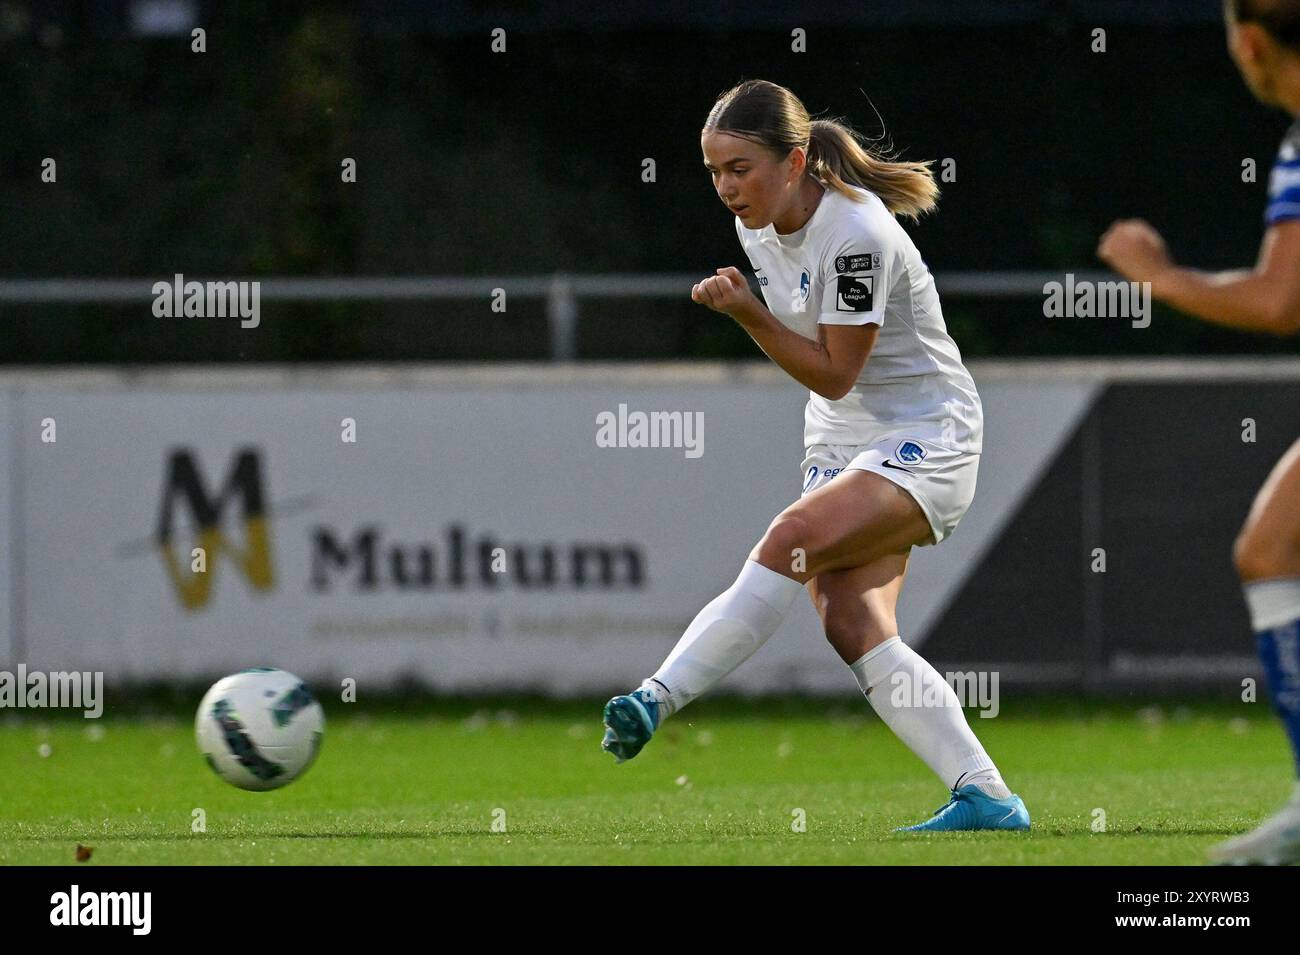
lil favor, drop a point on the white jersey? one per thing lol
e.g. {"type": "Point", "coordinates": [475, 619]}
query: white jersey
{"type": "Point", "coordinates": [851, 264]}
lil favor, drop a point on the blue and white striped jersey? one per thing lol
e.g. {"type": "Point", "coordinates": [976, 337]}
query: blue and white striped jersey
{"type": "Point", "coordinates": [1284, 183]}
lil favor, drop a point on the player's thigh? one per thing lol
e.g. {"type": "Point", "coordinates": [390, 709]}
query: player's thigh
{"type": "Point", "coordinates": [858, 605]}
{"type": "Point", "coordinates": [1269, 543]}
{"type": "Point", "coordinates": [853, 520]}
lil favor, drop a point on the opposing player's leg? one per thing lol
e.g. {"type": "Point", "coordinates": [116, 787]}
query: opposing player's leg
{"type": "Point", "coordinates": [855, 519]}
{"type": "Point", "coordinates": [1267, 555]}
{"type": "Point", "coordinates": [857, 607]}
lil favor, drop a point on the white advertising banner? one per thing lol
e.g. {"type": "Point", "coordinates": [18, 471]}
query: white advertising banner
{"type": "Point", "coordinates": [472, 533]}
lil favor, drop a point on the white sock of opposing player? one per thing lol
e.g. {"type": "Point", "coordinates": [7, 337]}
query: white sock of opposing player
{"type": "Point", "coordinates": [924, 712]}
{"type": "Point", "coordinates": [723, 635]}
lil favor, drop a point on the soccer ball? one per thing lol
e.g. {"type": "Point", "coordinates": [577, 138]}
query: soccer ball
{"type": "Point", "coordinates": [260, 728]}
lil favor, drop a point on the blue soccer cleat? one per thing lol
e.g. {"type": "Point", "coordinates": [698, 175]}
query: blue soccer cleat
{"type": "Point", "coordinates": [971, 808]}
{"type": "Point", "coordinates": [630, 721]}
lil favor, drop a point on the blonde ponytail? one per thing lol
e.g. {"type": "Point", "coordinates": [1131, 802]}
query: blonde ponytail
{"type": "Point", "coordinates": [839, 160]}
{"type": "Point", "coordinates": [769, 114]}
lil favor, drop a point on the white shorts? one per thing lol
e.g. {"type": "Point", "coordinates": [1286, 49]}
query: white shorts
{"type": "Point", "coordinates": [940, 479]}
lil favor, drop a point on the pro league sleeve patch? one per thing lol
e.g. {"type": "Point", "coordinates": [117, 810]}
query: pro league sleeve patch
{"type": "Point", "coordinates": [854, 294]}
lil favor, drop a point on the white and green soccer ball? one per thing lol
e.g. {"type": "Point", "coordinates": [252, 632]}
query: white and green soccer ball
{"type": "Point", "coordinates": [260, 728]}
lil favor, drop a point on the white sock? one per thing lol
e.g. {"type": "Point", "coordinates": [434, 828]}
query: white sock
{"type": "Point", "coordinates": [921, 708]}
{"type": "Point", "coordinates": [723, 635]}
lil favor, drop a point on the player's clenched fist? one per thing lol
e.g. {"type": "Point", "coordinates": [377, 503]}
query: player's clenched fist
{"type": "Point", "coordinates": [726, 292]}
{"type": "Point", "coordinates": [1133, 249]}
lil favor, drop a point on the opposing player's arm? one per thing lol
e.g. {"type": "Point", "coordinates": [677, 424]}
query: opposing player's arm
{"type": "Point", "coordinates": [1263, 299]}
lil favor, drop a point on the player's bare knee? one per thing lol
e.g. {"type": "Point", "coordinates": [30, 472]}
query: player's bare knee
{"type": "Point", "coordinates": [853, 630]}
{"type": "Point", "coordinates": [1245, 555]}
{"type": "Point", "coordinates": [788, 539]}
{"type": "Point", "coordinates": [1261, 552]}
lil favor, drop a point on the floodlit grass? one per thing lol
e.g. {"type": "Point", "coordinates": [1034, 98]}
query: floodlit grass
{"type": "Point", "coordinates": [720, 784]}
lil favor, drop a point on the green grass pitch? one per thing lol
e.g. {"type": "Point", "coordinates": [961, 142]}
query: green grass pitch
{"type": "Point", "coordinates": [720, 784]}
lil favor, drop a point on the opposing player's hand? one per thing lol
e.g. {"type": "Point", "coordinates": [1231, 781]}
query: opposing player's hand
{"type": "Point", "coordinates": [1134, 249]}
{"type": "Point", "coordinates": [726, 292]}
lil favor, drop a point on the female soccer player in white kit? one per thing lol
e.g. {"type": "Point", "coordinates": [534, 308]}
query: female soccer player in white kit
{"type": "Point", "coordinates": [1264, 40]}
{"type": "Point", "coordinates": [892, 431]}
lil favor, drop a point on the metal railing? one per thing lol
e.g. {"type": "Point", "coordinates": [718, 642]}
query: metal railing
{"type": "Point", "coordinates": [561, 291]}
